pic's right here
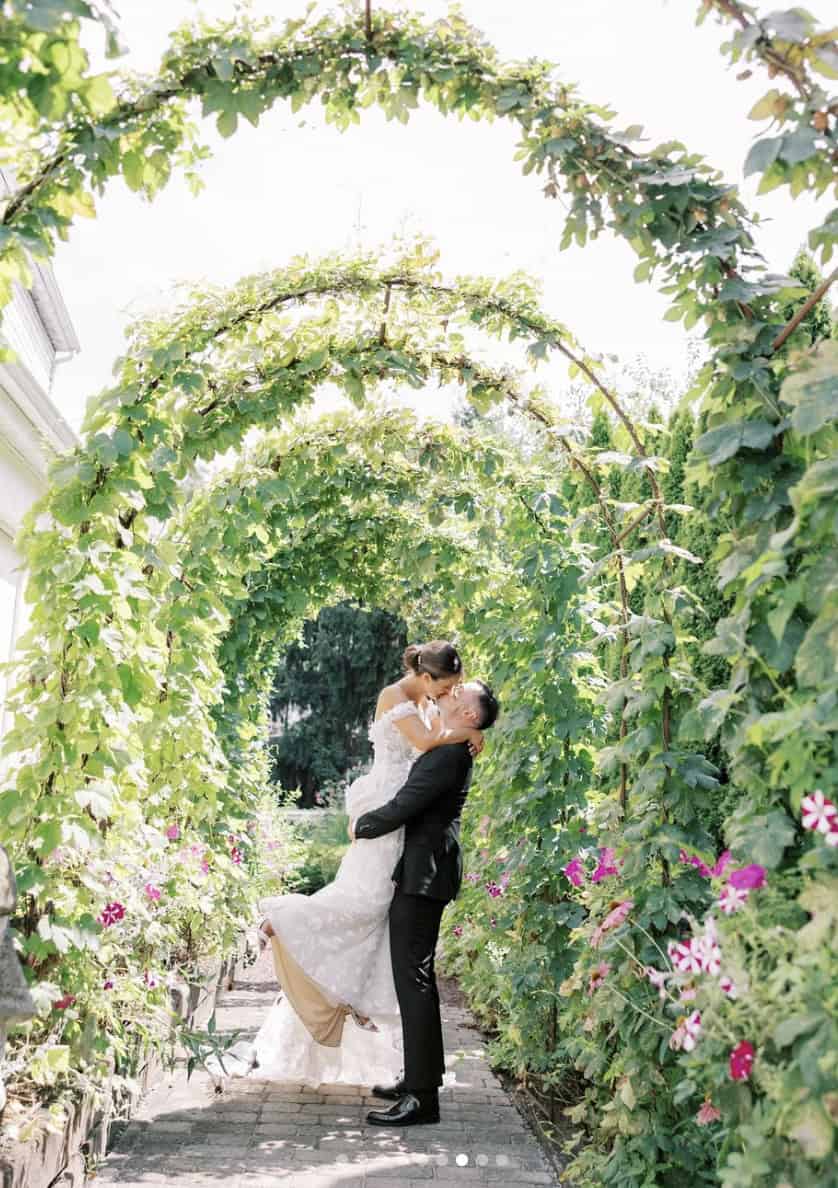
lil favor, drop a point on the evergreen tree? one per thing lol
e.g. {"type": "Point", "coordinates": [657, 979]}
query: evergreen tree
{"type": "Point", "coordinates": [324, 695]}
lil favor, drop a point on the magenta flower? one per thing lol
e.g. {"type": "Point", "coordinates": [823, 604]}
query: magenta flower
{"type": "Point", "coordinates": [471, 877]}
{"type": "Point", "coordinates": [708, 1113]}
{"type": "Point", "coordinates": [742, 1061]}
{"type": "Point", "coordinates": [236, 855]}
{"type": "Point", "coordinates": [173, 832]}
{"type": "Point", "coordinates": [575, 872]}
{"type": "Point", "coordinates": [694, 860]}
{"type": "Point", "coordinates": [721, 864]}
{"type": "Point", "coordinates": [151, 980]}
{"type": "Point", "coordinates": [732, 899]}
{"type": "Point", "coordinates": [62, 1004]}
{"type": "Point", "coordinates": [818, 812]}
{"type": "Point", "coordinates": [457, 930]}
{"type": "Point", "coordinates": [831, 838]}
{"type": "Point", "coordinates": [598, 976]}
{"type": "Point", "coordinates": [493, 922]}
{"type": "Point", "coordinates": [728, 987]}
{"type": "Point", "coordinates": [494, 890]}
{"type": "Point", "coordinates": [204, 867]}
{"type": "Point", "coordinates": [749, 878]}
{"type": "Point", "coordinates": [111, 913]}
{"type": "Point", "coordinates": [152, 891]}
{"type": "Point", "coordinates": [613, 920]}
{"type": "Point", "coordinates": [108, 984]}
{"type": "Point", "coordinates": [606, 865]}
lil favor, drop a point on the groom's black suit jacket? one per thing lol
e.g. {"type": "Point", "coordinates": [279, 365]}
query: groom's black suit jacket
{"type": "Point", "coordinates": [429, 806]}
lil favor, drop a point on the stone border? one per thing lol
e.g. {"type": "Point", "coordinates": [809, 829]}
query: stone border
{"type": "Point", "coordinates": [58, 1160]}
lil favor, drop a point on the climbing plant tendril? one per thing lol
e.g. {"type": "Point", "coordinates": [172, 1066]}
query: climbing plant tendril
{"type": "Point", "coordinates": [604, 932]}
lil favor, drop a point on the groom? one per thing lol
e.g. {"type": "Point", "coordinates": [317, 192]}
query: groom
{"type": "Point", "coordinates": [427, 877]}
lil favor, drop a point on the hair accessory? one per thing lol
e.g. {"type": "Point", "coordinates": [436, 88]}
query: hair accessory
{"type": "Point", "coordinates": [456, 663]}
{"type": "Point", "coordinates": [419, 658]}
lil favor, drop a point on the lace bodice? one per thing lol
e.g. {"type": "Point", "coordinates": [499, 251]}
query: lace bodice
{"type": "Point", "coordinates": [390, 745]}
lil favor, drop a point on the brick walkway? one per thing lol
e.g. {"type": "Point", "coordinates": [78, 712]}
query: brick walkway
{"type": "Point", "coordinates": [261, 1134]}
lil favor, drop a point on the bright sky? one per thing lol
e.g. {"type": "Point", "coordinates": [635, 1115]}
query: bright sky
{"type": "Point", "coordinates": [282, 189]}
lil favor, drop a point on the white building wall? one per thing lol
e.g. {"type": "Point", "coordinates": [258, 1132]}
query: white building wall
{"type": "Point", "coordinates": [36, 326]}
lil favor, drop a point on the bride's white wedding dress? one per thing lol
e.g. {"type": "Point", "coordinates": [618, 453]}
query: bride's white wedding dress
{"type": "Point", "coordinates": [339, 937]}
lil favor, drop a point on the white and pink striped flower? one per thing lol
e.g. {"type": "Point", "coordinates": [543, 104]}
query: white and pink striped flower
{"type": "Point", "coordinates": [819, 812]}
{"type": "Point", "coordinates": [732, 899]}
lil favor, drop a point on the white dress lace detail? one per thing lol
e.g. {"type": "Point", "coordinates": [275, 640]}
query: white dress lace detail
{"type": "Point", "coordinates": [340, 937]}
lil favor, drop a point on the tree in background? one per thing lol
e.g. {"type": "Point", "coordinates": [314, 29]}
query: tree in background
{"type": "Point", "coordinates": [324, 695]}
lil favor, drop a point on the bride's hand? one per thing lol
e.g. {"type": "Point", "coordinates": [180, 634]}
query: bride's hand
{"type": "Point", "coordinates": [475, 741]}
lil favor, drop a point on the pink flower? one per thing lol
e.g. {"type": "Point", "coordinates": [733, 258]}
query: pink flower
{"type": "Point", "coordinates": [818, 812]}
{"type": "Point", "coordinates": [471, 877]}
{"type": "Point", "coordinates": [152, 891]}
{"type": "Point", "coordinates": [686, 1033]}
{"type": "Point", "coordinates": [494, 890]}
{"type": "Point", "coordinates": [457, 930]}
{"type": "Point", "coordinates": [112, 913]}
{"type": "Point", "coordinates": [108, 984]}
{"type": "Point", "coordinates": [742, 1061]}
{"type": "Point", "coordinates": [173, 832]}
{"type": "Point", "coordinates": [151, 980]}
{"type": "Point", "coordinates": [658, 980]}
{"type": "Point", "coordinates": [708, 946]}
{"type": "Point", "coordinates": [204, 868]}
{"type": "Point", "coordinates": [63, 1003]}
{"type": "Point", "coordinates": [831, 838]}
{"type": "Point", "coordinates": [688, 993]}
{"type": "Point", "coordinates": [493, 922]}
{"type": "Point", "coordinates": [692, 1026]}
{"type": "Point", "coordinates": [749, 878]}
{"type": "Point", "coordinates": [503, 881]}
{"type": "Point", "coordinates": [606, 865]}
{"type": "Point", "coordinates": [236, 855]}
{"type": "Point", "coordinates": [613, 920]}
{"type": "Point", "coordinates": [687, 958]}
{"type": "Point", "coordinates": [574, 871]}
{"type": "Point", "coordinates": [598, 976]}
{"type": "Point", "coordinates": [728, 987]}
{"type": "Point", "coordinates": [732, 899]}
{"type": "Point", "coordinates": [708, 1113]}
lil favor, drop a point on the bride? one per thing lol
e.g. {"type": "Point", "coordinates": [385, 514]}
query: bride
{"type": "Point", "coordinates": [338, 1019]}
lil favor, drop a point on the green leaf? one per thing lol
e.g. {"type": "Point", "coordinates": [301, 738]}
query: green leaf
{"type": "Point", "coordinates": [227, 123]}
{"type": "Point", "coordinates": [725, 441]}
{"type": "Point", "coordinates": [133, 167]}
{"type": "Point", "coordinates": [762, 154]}
{"type": "Point", "coordinates": [792, 1028]}
{"type": "Point", "coordinates": [812, 391]}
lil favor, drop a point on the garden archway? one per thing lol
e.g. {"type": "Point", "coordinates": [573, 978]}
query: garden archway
{"type": "Point", "coordinates": [689, 229]}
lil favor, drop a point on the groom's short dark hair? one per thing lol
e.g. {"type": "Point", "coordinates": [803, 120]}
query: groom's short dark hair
{"type": "Point", "coordinates": [489, 708]}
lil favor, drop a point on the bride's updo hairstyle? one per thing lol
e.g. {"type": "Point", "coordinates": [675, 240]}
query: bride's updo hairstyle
{"type": "Point", "coordinates": [437, 659]}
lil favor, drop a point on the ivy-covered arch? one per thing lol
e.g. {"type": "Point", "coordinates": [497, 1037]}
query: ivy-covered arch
{"type": "Point", "coordinates": [768, 452]}
{"type": "Point", "coordinates": [160, 606]}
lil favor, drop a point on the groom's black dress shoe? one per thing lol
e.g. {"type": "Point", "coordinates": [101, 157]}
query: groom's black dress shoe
{"type": "Point", "coordinates": [390, 1092]}
{"type": "Point", "coordinates": [409, 1111]}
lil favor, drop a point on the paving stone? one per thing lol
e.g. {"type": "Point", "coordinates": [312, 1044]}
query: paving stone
{"type": "Point", "coordinates": [262, 1134]}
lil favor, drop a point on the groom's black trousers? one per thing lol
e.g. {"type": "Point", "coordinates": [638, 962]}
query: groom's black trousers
{"type": "Point", "coordinates": [414, 929]}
